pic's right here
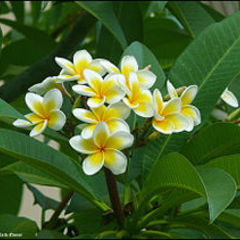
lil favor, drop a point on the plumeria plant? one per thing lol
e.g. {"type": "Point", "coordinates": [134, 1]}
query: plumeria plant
{"type": "Point", "coordinates": [132, 115]}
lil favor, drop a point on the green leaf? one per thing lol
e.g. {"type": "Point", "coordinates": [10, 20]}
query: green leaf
{"type": "Point", "coordinates": [44, 201]}
{"type": "Point", "coordinates": [174, 170]}
{"type": "Point", "coordinates": [155, 7]}
{"type": "Point", "coordinates": [25, 228]}
{"type": "Point", "coordinates": [211, 142]}
{"type": "Point", "coordinates": [192, 15]}
{"type": "Point", "coordinates": [144, 58]}
{"type": "Point", "coordinates": [211, 72]}
{"type": "Point", "coordinates": [47, 160]}
{"type": "Point", "coordinates": [32, 175]}
{"type": "Point", "coordinates": [165, 38]}
{"type": "Point", "coordinates": [11, 188]}
{"type": "Point", "coordinates": [30, 33]}
{"type": "Point", "coordinates": [218, 197]}
{"type": "Point", "coordinates": [18, 10]}
{"type": "Point", "coordinates": [7, 110]}
{"type": "Point", "coordinates": [230, 164]}
{"type": "Point", "coordinates": [211, 231]}
{"type": "Point", "coordinates": [104, 12]}
{"type": "Point", "coordinates": [1, 35]}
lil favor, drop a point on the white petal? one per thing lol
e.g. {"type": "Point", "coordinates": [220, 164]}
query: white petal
{"type": "Point", "coordinates": [117, 124]}
{"type": "Point", "coordinates": [52, 100]}
{"type": "Point", "coordinates": [129, 104]}
{"type": "Point", "coordinates": [66, 65]}
{"type": "Point", "coordinates": [144, 109]}
{"type": "Point", "coordinates": [81, 60]}
{"type": "Point", "coordinates": [128, 64]}
{"type": "Point", "coordinates": [93, 163]}
{"type": "Point", "coordinates": [229, 98]}
{"type": "Point", "coordinates": [96, 66]}
{"type": "Point", "coordinates": [95, 102]}
{"type": "Point", "coordinates": [189, 94]}
{"type": "Point", "coordinates": [193, 113]}
{"type": "Point", "coordinates": [57, 120]}
{"type": "Point", "coordinates": [67, 78]}
{"type": "Point", "coordinates": [120, 140]}
{"type": "Point", "coordinates": [87, 131]}
{"type": "Point", "coordinates": [109, 66]}
{"type": "Point", "coordinates": [21, 123]}
{"type": "Point", "coordinates": [115, 161]}
{"type": "Point", "coordinates": [157, 101]}
{"type": "Point", "coordinates": [84, 115]}
{"type": "Point", "coordinates": [101, 134]}
{"type": "Point", "coordinates": [83, 90]}
{"type": "Point", "coordinates": [164, 126]}
{"type": "Point", "coordinates": [171, 90]}
{"type": "Point", "coordinates": [82, 145]}
{"type": "Point", "coordinates": [179, 121]}
{"type": "Point", "coordinates": [146, 78]}
{"type": "Point", "coordinates": [35, 103]}
{"type": "Point", "coordinates": [93, 79]}
{"type": "Point", "coordinates": [172, 106]}
{"type": "Point", "coordinates": [46, 85]}
{"type": "Point", "coordinates": [38, 129]}
{"type": "Point", "coordinates": [118, 110]}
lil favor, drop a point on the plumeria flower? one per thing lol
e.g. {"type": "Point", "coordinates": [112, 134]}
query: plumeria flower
{"type": "Point", "coordinates": [100, 90]}
{"type": "Point", "coordinates": [167, 117]}
{"type": "Point", "coordinates": [46, 85]}
{"type": "Point", "coordinates": [103, 149]}
{"type": "Point", "coordinates": [74, 71]}
{"type": "Point", "coordinates": [113, 116]}
{"type": "Point", "coordinates": [187, 97]}
{"type": "Point", "coordinates": [137, 99]}
{"type": "Point", "coordinates": [46, 112]}
{"type": "Point", "coordinates": [128, 64]}
{"type": "Point", "coordinates": [229, 98]}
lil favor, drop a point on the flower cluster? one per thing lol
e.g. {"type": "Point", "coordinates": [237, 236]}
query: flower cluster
{"type": "Point", "coordinates": [108, 94]}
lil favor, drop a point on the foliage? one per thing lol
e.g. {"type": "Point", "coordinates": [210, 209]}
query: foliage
{"type": "Point", "coordinates": [176, 184]}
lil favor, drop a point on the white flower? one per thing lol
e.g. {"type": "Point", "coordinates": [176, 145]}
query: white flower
{"type": "Point", "coordinates": [103, 149]}
{"type": "Point", "coordinates": [191, 112]}
{"type": "Point", "coordinates": [167, 117]}
{"type": "Point", "coordinates": [46, 112]}
{"type": "Point", "coordinates": [100, 90]}
{"type": "Point", "coordinates": [129, 64]}
{"type": "Point", "coordinates": [229, 98]}
{"type": "Point", "coordinates": [74, 71]}
{"type": "Point", "coordinates": [112, 115]}
{"type": "Point", "coordinates": [140, 100]}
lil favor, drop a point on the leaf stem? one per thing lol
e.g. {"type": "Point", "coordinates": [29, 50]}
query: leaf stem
{"type": "Point", "coordinates": [114, 196]}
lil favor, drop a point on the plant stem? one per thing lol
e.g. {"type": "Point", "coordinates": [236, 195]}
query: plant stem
{"type": "Point", "coordinates": [114, 196]}
{"type": "Point", "coordinates": [60, 208]}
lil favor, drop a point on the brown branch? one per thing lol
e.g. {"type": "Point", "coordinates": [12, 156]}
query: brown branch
{"type": "Point", "coordinates": [114, 196]}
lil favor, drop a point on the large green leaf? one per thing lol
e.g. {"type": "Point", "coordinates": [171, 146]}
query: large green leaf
{"type": "Point", "coordinates": [214, 141]}
{"type": "Point", "coordinates": [47, 160]}
{"type": "Point", "coordinates": [31, 175]}
{"type": "Point", "coordinates": [192, 15]}
{"type": "Point", "coordinates": [35, 11]}
{"type": "Point", "coordinates": [23, 227]}
{"type": "Point", "coordinates": [144, 58]}
{"type": "Point", "coordinates": [104, 12]}
{"type": "Point", "coordinates": [174, 170]}
{"type": "Point", "coordinates": [230, 164]}
{"type": "Point", "coordinates": [210, 63]}
{"type": "Point", "coordinates": [107, 46]}
{"type": "Point", "coordinates": [11, 188]}
{"type": "Point", "coordinates": [165, 38]}
{"type": "Point", "coordinates": [7, 110]}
